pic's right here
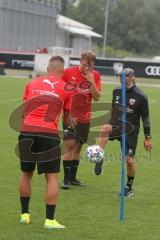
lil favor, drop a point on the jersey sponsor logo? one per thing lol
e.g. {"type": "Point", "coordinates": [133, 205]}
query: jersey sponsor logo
{"type": "Point", "coordinates": [153, 70]}
{"type": "Point", "coordinates": [82, 87]}
{"type": "Point", "coordinates": [50, 83]}
{"type": "Point", "coordinates": [81, 90]}
{"type": "Point", "coordinates": [43, 92]}
{"type": "Point", "coordinates": [132, 101]}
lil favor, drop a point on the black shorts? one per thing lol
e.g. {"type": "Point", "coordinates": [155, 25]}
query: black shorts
{"type": "Point", "coordinates": [79, 133]}
{"type": "Point", "coordinates": [131, 142]}
{"type": "Point", "coordinates": [41, 150]}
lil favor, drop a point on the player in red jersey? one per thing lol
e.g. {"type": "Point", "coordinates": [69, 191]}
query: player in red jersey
{"type": "Point", "coordinates": [39, 141]}
{"type": "Point", "coordinates": [87, 85]}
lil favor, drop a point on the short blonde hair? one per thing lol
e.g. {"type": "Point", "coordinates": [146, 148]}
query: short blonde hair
{"type": "Point", "coordinates": [55, 62]}
{"type": "Point", "coordinates": [89, 56]}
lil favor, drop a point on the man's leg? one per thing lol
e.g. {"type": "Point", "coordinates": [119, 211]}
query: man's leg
{"type": "Point", "coordinates": [81, 133]}
{"type": "Point", "coordinates": [69, 146]}
{"type": "Point", "coordinates": [51, 194]}
{"type": "Point", "coordinates": [74, 166]}
{"type": "Point", "coordinates": [51, 147]}
{"type": "Point", "coordinates": [104, 135]}
{"type": "Point", "coordinates": [131, 170]}
{"type": "Point", "coordinates": [28, 164]}
{"type": "Point", "coordinates": [131, 145]}
{"type": "Point", "coordinates": [102, 141]}
{"type": "Point", "coordinates": [25, 186]}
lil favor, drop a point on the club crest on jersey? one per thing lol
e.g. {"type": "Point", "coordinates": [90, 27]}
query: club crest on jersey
{"type": "Point", "coordinates": [130, 151]}
{"type": "Point", "coordinates": [132, 101]}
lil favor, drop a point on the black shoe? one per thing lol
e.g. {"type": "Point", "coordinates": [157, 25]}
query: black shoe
{"type": "Point", "coordinates": [76, 182]}
{"type": "Point", "coordinates": [128, 191]}
{"type": "Point", "coordinates": [66, 184]}
{"type": "Point", "coordinates": [98, 170]}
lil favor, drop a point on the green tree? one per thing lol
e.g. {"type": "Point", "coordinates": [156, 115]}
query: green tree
{"type": "Point", "coordinates": [90, 12]}
{"type": "Point", "coordinates": [133, 25]}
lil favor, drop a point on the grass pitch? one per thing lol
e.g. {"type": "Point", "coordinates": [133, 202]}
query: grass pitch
{"type": "Point", "coordinates": [88, 213]}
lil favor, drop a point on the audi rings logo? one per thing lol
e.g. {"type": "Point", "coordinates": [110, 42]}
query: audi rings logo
{"type": "Point", "coordinates": [153, 70]}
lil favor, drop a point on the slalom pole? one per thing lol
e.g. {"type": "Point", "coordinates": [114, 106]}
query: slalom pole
{"type": "Point", "coordinates": [123, 145]}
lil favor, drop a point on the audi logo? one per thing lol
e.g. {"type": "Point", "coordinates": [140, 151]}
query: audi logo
{"type": "Point", "coordinates": [153, 70]}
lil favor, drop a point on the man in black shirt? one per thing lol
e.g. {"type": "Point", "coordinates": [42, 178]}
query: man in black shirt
{"type": "Point", "coordinates": [136, 107]}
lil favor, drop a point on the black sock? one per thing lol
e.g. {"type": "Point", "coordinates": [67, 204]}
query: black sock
{"type": "Point", "coordinates": [25, 204]}
{"type": "Point", "coordinates": [130, 181]}
{"type": "Point", "coordinates": [74, 168]}
{"type": "Point", "coordinates": [50, 210]}
{"type": "Point", "coordinates": [67, 167]}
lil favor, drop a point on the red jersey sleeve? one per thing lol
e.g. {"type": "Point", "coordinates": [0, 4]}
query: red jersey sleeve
{"type": "Point", "coordinates": [65, 75]}
{"type": "Point", "coordinates": [26, 91]}
{"type": "Point", "coordinates": [97, 80]}
{"type": "Point", "coordinates": [67, 103]}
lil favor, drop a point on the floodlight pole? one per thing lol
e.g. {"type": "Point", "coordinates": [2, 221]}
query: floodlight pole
{"type": "Point", "coordinates": [123, 145]}
{"type": "Point", "coordinates": [105, 28]}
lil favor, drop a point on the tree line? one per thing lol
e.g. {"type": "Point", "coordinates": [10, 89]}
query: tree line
{"type": "Point", "coordinates": [133, 25]}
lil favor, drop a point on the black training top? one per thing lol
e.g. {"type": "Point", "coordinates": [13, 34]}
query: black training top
{"type": "Point", "coordinates": [136, 108]}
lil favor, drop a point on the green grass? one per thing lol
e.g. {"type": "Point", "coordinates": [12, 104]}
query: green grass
{"type": "Point", "coordinates": [91, 212]}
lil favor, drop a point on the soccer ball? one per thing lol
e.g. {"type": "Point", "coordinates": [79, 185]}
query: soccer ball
{"type": "Point", "coordinates": [94, 153]}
